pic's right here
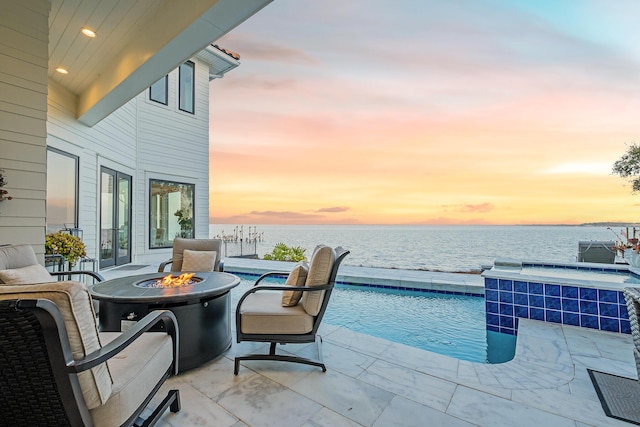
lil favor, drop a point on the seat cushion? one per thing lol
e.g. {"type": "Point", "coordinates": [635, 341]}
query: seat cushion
{"type": "Point", "coordinates": [26, 275]}
{"type": "Point", "coordinates": [16, 256]}
{"type": "Point", "coordinates": [319, 274]}
{"type": "Point", "coordinates": [198, 260]}
{"type": "Point", "coordinates": [297, 277]}
{"type": "Point", "coordinates": [135, 371]}
{"type": "Point", "coordinates": [263, 313]}
{"type": "Point", "coordinates": [74, 302]}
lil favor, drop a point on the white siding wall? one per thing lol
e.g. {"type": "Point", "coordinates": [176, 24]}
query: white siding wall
{"type": "Point", "coordinates": [145, 140]}
{"type": "Point", "coordinates": [173, 145]}
{"type": "Point", "coordinates": [23, 114]}
{"type": "Point", "coordinates": [110, 143]}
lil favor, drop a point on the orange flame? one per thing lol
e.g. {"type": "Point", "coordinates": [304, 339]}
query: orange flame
{"type": "Point", "coordinates": [170, 281]}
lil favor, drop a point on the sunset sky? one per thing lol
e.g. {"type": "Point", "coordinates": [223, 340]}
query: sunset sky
{"type": "Point", "coordinates": [427, 112]}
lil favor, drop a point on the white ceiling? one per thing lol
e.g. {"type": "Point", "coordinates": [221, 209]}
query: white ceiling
{"type": "Point", "coordinates": [138, 41]}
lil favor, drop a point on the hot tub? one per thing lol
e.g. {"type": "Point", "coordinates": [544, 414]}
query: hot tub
{"type": "Point", "coordinates": [579, 294]}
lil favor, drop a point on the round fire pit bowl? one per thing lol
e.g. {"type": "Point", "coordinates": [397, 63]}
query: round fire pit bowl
{"type": "Point", "coordinates": [158, 282]}
{"type": "Point", "coordinates": [202, 307]}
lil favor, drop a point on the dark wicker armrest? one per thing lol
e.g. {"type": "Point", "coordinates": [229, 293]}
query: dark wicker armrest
{"type": "Point", "coordinates": [163, 265]}
{"type": "Point", "coordinates": [124, 340]}
{"type": "Point", "coordinates": [93, 274]}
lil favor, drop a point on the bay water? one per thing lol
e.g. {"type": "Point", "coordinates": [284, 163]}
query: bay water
{"type": "Point", "coordinates": [456, 248]}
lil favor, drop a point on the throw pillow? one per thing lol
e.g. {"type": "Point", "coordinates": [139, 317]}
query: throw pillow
{"type": "Point", "coordinates": [297, 277]}
{"type": "Point", "coordinates": [198, 260]}
{"type": "Point", "coordinates": [26, 275]}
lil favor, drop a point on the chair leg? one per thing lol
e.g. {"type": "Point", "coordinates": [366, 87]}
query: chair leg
{"type": "Point", "coordinates": [171, 401]}
{"type": "Point", "coordinates": [282, 358]}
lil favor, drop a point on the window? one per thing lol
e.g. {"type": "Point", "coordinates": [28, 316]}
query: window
{"type": "Point", "coordinates": [62, 190]}
{"type": "Point", "coordinates": [158, 91]}
{"type": "Point", "coordinates": [170, 212]}
{"type": "Point", "coordinates": [115, 214]}
{"type": "Point", "coordinates": [187, 86]}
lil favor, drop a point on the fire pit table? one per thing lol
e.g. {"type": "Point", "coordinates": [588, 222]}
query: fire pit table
{"type": "Point", "coordinates": [202, 306]}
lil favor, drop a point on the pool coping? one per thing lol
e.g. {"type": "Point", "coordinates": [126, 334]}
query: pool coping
{"type": "Point", "coordinates": [387, 278]}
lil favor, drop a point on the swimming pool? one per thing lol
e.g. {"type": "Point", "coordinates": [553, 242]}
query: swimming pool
{"type": "Point", "coordinates": [453, 325]}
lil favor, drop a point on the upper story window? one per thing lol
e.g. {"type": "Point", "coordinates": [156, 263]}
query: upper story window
{"type": "Point", "coordinates": [159, 90]}
{"type": "Point", "coordinates": [62, 190]}
{"type": "Point", "coordinates": [186, 87]}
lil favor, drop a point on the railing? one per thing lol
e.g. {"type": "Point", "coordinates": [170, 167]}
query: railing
{"type": "Point", "coordinates": [241, 248]}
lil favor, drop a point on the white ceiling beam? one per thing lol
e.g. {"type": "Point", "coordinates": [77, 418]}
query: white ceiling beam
{"type": "Point", "coordinates": [174, 34]}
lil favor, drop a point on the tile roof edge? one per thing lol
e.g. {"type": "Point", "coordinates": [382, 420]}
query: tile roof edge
{"type": "Point", "coordinates": [231, 53]}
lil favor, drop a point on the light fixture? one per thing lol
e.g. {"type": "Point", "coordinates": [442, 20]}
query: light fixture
{"type": "Point", "coordinates": [88, 32]}
{"type": "Point", "coordinates": [62, 70]}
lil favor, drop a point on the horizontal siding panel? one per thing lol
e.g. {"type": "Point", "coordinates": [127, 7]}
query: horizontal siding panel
{"type": "Point", "coordinates": [28, 17]}
{"type": "Point", "coordinates": [22, 96]}
{"type": "Point", "coordinates": [7, 135]}
{"type": "Point", "coordinates": [20, 82]}
{"type": "Point", "coordinates": [23, 124]}
{"type": "Point", "coordinates": [21, 110]}
{"type": "Point", "coordinates": [23, 47]}
{"type": "Point", "coordinates": [33, 236]}
{"type": "Point", "coordinates": [22, 152]}
{"type": "Point", "coordinates": [22, 208]}
{"type": "Point", "coordinates": [14, 221]}
{"type": "Point", "coordinates": [23, 180]}
{"type": "Point", "coordinates": [16, 67]}
{"type": "Point", "coordinates": [9, 165]}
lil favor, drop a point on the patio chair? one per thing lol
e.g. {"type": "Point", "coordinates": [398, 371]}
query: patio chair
{"type": "Point", "coordinates": [273, 314]}
{"type": "Point", "coordinates": [195, 255]}
{"type": "Point", "coordinates": [58, 370]}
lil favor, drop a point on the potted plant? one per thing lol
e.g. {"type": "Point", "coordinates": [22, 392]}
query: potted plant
{"type": "Point", "coordinates": [4, 194]}
{"type": "Point", "coordinates": [70, 247]}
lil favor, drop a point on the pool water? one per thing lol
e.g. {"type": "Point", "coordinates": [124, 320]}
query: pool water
{"type": "Point", "coordinates": [453, 325]}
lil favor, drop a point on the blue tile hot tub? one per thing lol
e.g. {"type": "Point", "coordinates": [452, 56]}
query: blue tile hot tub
{"type": "Point", "coordinates": [580, 294]}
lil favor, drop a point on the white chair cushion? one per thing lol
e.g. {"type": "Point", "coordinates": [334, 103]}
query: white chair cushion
{"type": "Point", "coordinates": [319, 273]}
{"type": "Point", "coordinates": [263, 313]}
{"type": "Point", "coordinates": [16, 256]}
{"type": "Point", "coordinates": [198, 260]}
{"type": "Point", "coordinates": [297, 277]}
{"type": "Point", "coordinates": [74, 302]}
{"type": "Point", "coordinates": [136, 371]}
{"type": "Point", "coordinates": [26, 275]}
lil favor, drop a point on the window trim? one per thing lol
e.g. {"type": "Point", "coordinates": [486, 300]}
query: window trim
{"type": "Point", "coordinates": [166, 92]}
{"type": "Point", "coordinates": [193, 197]}
{"type": "Point", "coordinates": [192, 66]}
{"type": "Point", "coordinates": [76, 212]}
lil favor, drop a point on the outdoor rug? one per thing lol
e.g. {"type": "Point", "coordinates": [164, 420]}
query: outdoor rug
{"type": "Point", "coordinates": [619, 396]}
{"type": "Point", "coordinates": [131, 267]}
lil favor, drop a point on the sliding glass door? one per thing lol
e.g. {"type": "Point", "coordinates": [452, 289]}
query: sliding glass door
{"type": "Point", "coordinates": [115, 218]}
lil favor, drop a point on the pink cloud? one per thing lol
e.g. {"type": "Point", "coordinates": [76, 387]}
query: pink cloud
{"type": "Point", "coordinates": [334, 209]}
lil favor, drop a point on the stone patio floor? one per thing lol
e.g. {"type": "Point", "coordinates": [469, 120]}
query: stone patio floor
{"type": "Point", "coordinates": [374, 382]}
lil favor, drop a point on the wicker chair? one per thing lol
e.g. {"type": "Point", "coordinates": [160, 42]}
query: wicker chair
{"type": "Point", "coordinates": [55, 369]}
{"type": "Point", "coordinates": [632, 298]}
{"type": "Point", "coordinates": [263, 316]}
{"type": "Point", "coordinates": [205, 246]}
